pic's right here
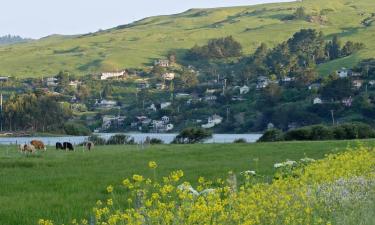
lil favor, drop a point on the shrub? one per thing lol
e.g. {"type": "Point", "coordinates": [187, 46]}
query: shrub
{"type": "Point", "coordinates": [120, 139]}
{"type": "Point", "coordinates": [321, 132]}
{"type": "Point", "coordinates": [192, 136]}
{"type": "Point", "coordinates": [240, 141]}
{"type": "Point", "coordinates": [156, 141]}
{"type": "Point", "coordinates": [272, 135]}
{"type": "Point", "coordinates": [71, 128]}
{"type": "Point", "coordinates": [97, 140]}
{"type": "Point", "coordinates": [298, 134]}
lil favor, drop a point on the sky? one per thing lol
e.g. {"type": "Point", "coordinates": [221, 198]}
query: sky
{"type": "Point", "coordinates": [40, 18]}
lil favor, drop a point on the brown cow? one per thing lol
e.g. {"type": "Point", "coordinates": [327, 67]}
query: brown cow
{"type": "Point", "coordinates": [38, 145]}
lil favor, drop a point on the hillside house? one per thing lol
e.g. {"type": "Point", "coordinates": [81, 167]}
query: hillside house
{"type": "Point", "coordinates": [347, 101]}
{"type": "Point", "coordinates": [143, 120]}
{"type": "Point", "coordinates": [51, 82]}
{"type": "Point", "coordinates": [210, 98]}
{"type": "Point", "coordinates": [357, 83]}
{"type": "Point", "coordinates": [288, 79]}
{"type": "Point", "coordinates": [4, 79]}
{"type": "Point", "coordinates": [162, 63]}
{"type": "Point", "coordinates": [314, 86]}
{"type": "Point", "coordinates": [168, 76]}
{"type": "Point", "coordinates": [317, 101]}
{"type": "Point", "coordinates": [108, 75]}
{"type": "Point", "coordinates": [109, 120]}
{"type": "Point", "coordinates": [343, 72]}
{"type": "Point", "coordinates": [262, 82]}
{"type": "Point", "coordinates": [105, 104]}
{"type": "Point", "coordinates": [143, 85]}
{"type": "Point", "coordinates": [371, 82]}
{"type": "Point", "coordinates": [162, 125]}
{"type": "Point", "coordinates": [244, 90]}
{"type": "Point", "coordinates": [74, 83]}
{"type": "Point", "coordinates": [182, 95]}
{"type": "Point", "coordinates": [160, 86]}
{"type": "Point", "coordinates": [164, 105]}
{"type": "Point", "coordinates": [213, 121]}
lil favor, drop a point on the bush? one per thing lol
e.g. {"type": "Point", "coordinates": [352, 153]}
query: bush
{"type": "Point", "coordinates": [240, 141]}
{"type": "Point", "coordinates": [272, 135]}
{"type": "Point", "coordinates": [156, 141]}
{"type": "Point", "coordinates": [77, 129]}
{"type": "Point", "coordinates": [298, 134]}
{"type": "Point", "coordinates": [120, 139]}
{"type": "Point", "coordinates": [321, 132]}
{"type": "Point", "coordinates": [97, 140]}
{"type": "Point", "coordinates": [192, 136]}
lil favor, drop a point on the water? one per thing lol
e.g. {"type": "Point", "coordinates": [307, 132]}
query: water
{"type": "Point", "coordinates": [138, 137]}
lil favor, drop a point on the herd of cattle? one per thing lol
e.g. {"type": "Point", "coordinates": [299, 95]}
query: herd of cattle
{"type": "Point", "coordinates": [39, 145]}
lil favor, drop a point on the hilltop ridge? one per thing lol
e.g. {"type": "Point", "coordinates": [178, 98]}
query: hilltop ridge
{"type": "Point", "coordinates": [137, 44]}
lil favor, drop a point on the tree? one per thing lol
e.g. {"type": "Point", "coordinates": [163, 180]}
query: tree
{"type": "Point", "coordinates": [192, 136]}
{"type": "Point", "coordinates": [300, 14]}
{"type": "Point", "coordinates": [334, 48]}
{"type": "Point", "coordinates": [188, 79]}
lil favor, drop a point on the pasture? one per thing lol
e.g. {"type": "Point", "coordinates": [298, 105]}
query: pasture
{"type": "Point", "coordinates": [65, 185]}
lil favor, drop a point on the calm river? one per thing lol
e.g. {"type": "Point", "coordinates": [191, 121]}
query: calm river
{"type": "Point", "coordinates": [138, 137]}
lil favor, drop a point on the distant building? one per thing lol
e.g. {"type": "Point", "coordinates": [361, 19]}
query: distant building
{"type": "Point", "coordinates": [74, 83]}
{"type": "Point", "coordinates": [213, 121]}
{"type": "Point", "coordinates": [164, 105]}
{"type": "Point", "coordinates": [347, 101]}
{"type": "Point", "coordinates": [317, 101]}
{"type": "Point", "coordinates": [314, 86]}
{"type": "Point", "coordinates": [210, 98]}
{"type": "Point", "coordinates": [183, 95]}
{"type": "Point", "coordinates": [107, 75]}
{"type": "Point", "coordinates": [160, 86]}
{"type": "Point", "coordinates": [106, 104]}
{"type": "Point", "coordinates": [51, 82]}
{"type": "Point", "coordinates": [262, 82]}
{"type": "Point", "coordinates": [3, 79]}
{"type": "Point", "coordinates": [343, 72]}
{"type": "Point", "coordinates": [357, 83]}
{"type": "Point", "coordinates": [162, 63]}
{"type": "Point", "coordinates": [168, 76]}
{"type": "Point", "coordinates": [109, 120]}
{"type": "Point", "coordinates": [143, 85]}
{"type": "Point", "coordinates": [244, 90]}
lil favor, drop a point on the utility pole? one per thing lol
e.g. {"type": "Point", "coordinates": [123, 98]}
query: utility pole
{"type": "Point", "coordinates": [333, 117]}
{"type": "Point", "coordinates": [228, 114]}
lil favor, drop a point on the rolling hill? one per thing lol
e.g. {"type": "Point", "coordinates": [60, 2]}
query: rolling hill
{"type": "Point", "coordinates": [137, 44]}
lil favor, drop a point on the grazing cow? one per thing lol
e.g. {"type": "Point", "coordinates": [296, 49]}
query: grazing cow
{"type": "Point", "coordinates": [59, 146]}
{"type": "Point", "coordinates": [68, 145]}
{"type": "Point", "coordinates": [27, 148]}
{"type": "Point", "coordinates": [89, 145]}
{"type": "Point", "coordinates": [38, 145]}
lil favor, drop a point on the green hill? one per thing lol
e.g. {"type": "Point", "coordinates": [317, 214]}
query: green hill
{"type": "Point", "coordinates": [138, 44]}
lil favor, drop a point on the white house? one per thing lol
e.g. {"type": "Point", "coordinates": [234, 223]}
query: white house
{"type": "Point", "coordinates": [357, 83]}
{"type": "Point", "coordinates": [152, 107]}
{"type": "Point", "coordinates": [164, 105]}
{"type": "Point", "coordinates": [244, 90]}
{"type": "Point", "coordinates": [182, 95]}
{"type": "Point", "coordinates": [105, 104]}
{"type": "Point", "coordinates": [371, 82]}
{"type": "Point", "coordinates": [343, 73]}
{"type": "Point", "coordinates": [210, 98]}
{"type": "Point", "coordinates": [165, 119]}
{"type": "Point", "coordinates": [213, 121]}
{"type": "Point", "coordinates": [107, 75]}
{"type": "Point", "coordinates": [317, 101]}
{"type": "Point", "coordinates": [109, 120]}
{"type": "Point", "coordinates": [168, 76]}
{"type": "Point", "coordinates": [347, 101]}
{"type": "Point", "coordinates": [263, 82]}
{"type": "Point", "coordinates": [162, 63]}
{"type": "Point", "coordinates": [160, 86]}
{"type": "Point", "coordinates": [51, 81]}
{"type": "Point", "coordinates": [74, 83]}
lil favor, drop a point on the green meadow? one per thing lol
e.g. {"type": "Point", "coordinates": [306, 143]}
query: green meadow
{"type": "Point", "coordinates": [136, 45]}
{"type": "Point", "coordinates": [64, 185]}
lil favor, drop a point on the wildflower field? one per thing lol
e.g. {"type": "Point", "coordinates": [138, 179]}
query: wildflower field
{"type": "Point", "coordinates": [189, 184]}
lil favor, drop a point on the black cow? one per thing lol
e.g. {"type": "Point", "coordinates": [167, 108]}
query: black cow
{"type": "Point", "coordinates": [68, 145]}
{"type": "Point", "coordinates": [59, 146]}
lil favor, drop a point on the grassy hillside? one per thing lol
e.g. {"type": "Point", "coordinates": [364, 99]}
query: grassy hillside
{"type": "Point", "coordinates": [137, 44]}
{"type": "Point", "coordinates": [65, 185]}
